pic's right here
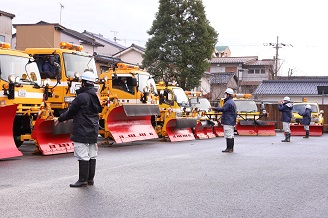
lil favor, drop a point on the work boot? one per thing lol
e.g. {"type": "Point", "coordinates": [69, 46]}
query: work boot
{"type": "Point", "coordinates": [285, 140]}
{"type": "Point", "coordinates": [288, 137]}
{"type": "Point", "coordinates": [92, 171]}
{"type": "Point", "coordinates": [230, 144]}
{"type": "Point", "coordinates": [307, 133]}
{"type": "Point", "coordinates": [83, 174]}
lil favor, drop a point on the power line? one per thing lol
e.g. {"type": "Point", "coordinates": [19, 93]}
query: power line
{"type": "Point", "coordinates": [277, 46]}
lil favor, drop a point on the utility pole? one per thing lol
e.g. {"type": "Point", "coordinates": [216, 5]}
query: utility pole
{"type": "Point", "coordinates": [277, 45]}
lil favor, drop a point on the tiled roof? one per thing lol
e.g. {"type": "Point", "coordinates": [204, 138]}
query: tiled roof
{"type": "Point", "coordinates": [259, 63]}
{"type": "Point", "coordinates": [289, 87]}
{"type": "Point", "coordinates": [7, 14]}
{"type": "Point", "coordinates": [85, 39]}
{"type": "Point", "coordinates": [320, 78]}
{"type": "Point", "coordinates": [132, 47]}
{"type": "Point", "coordinates": [107, 59]}
{"type": "Point", "coordinates": [221, 78]}
{"type": "Point", "coordinates": [101, 38]}
{"type": "Point", "coordinates": [234, 60]}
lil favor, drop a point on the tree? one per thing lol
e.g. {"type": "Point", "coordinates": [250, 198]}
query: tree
{"type": "Point", "coordinates": [181, 43]}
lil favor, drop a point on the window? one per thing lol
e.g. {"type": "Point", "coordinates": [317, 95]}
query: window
{"type": "Point", "coordinates": [2, 38]}
{"type": "Point", "coordinates": [256, 71]}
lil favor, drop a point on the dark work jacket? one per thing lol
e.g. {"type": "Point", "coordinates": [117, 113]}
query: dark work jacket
{"type": "Point", "coordinates": [84, 111]}
{"type": "Point", "coordinates": [306, 116]}
{"type": "Point", "coordinates": [286, 109]}
{"type": "Point", "coordinates": [229, 112]}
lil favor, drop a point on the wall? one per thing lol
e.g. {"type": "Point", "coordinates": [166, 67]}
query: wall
{"type": "Point", "coordinates": [37, 36]}
{"type": "Point", "coordinates": [132, 56]}
{"type": "Point", "coordinates": [6, 28]}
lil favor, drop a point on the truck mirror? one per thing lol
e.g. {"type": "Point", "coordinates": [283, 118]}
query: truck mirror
{"type": "Point", "coordinates": [134, 82]}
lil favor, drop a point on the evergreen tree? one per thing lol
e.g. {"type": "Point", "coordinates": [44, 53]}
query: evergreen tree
{"type": "Point", "coordinates": [181, 43]}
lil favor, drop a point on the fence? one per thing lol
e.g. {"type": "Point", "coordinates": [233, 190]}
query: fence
{"type": "Point", "coordinates": [275, 115]}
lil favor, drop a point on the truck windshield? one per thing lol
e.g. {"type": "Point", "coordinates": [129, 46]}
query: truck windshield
{"type": "Point", "coordinates": [203, 104]}
{"type": "Point", "coordinates": [15, 65]}
{"type": "Point", "coordinates": [76, 63]}
{"type": "Point", "coordinates": [300, 108]}
{"type": "Point", "coordinates": [145, 82]}
{"type": "Point", "coordinates": [246, 106]}
{"type": "Point", "coordinates": [181, 96]}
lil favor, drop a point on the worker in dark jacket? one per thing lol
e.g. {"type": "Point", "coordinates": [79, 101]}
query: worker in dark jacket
{"type": "Point", "coordinates": [228, 119]}
{"type": "Point", "coordinates": [306, 120]}
{"type": "Point", "coordinates": [84, 111]}
{"type": "Point", "coordinates": [286, 107]}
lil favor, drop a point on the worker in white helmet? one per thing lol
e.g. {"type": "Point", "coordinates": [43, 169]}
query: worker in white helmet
{"type": "Point", "coordinates": [286, 107]}
{"type": "Point", "coordinates": [228, 119]}
{"type": "Point", "coordinates": [306, 120]}
{"type": "Point", "coordinates": [84, 111]}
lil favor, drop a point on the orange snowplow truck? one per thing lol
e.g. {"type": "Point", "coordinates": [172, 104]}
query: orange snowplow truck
{"type": "Point", "coordinates": [176, 120]}
{"type": "Point", "coordinates": [128, 95]}
{"type": "Point", "coordinates": [317, 119]}
{"type": "Point", "coordinates": [249, 118]}
{"type": "Point", "coordinates": [60, 69]}
{"type": "Point", "coordinates": [20, 99]}
{"type": "Point", "coordinates": [201, 108]}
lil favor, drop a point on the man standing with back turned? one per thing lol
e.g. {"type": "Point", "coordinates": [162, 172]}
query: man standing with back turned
{"type": "Point", "coordinates": [84, 111]}
{"type": "Point", "coordinates": [228, 119]}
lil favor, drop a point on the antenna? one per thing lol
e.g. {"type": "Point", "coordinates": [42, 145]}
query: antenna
{"type": "Point", "coordinates": [61, 7]}
{"type": "Point", "coordinates": [115, 33]}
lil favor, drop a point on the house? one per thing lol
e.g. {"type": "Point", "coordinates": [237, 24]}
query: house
{"type": "Point", "coordinates": [222, 51]}
{"type": "Point", "coordinates": [219, 83]}
{"type": "Point", "coordinates": [6, 26]}
{"type": "Point", "coordinates": [272, 91]}
{"type": "Point", "coordinates": [109, 48]}
{"type": "Point", "coordinates": [132, 54]}
{"type": "Point", "coordinates": [248, 71]}
{"type": "Point", "coordinates": [49, 35]}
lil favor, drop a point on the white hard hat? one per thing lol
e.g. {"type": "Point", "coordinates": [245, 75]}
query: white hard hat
{"type": "Point", "coordinates": [88, 76]}
{"type": "Point", "coordinates": [308, 106]}
{"type": "Point", "coordinates": [229, 91]}
{"type": "Point", "coordinates": [286, 98]}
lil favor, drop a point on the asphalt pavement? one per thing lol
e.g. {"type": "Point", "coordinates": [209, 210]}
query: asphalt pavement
{"type": "Point", "coordinates": [264, 177]}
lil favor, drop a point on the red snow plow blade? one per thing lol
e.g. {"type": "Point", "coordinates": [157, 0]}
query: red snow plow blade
{"type": "Point", "coordinates": [179, 129]}
{"type": "Point", "coordinates": [7, 146]}
{"type": "Point", "coordinates": [51, 139]}
{"type": "Point", "coordinates": [258, 127]}
{"type": "Point", "coordinates": [129, 123]}
{"type": "Point", "coordinates": [218, 130]}
{"type": "Point", "coordinates": [298, 130]}
{"type": "Point", "coordinates": [204, 129]}
{"type": "Point", "coordinates": [266, 128]}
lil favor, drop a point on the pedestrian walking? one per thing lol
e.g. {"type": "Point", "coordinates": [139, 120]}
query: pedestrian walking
{"type": "Point", "coordinates": [228, 119]}
{"type": "Point", "coordinates": [306, 120]}
{"type": "Point", "coordinates": [286, 107]}
{"type": "Point", "coordinates": [84, 110]}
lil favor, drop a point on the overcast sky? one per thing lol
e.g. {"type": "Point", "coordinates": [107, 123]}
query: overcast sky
{"type": "Point", "coordinates": [246, 26]}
